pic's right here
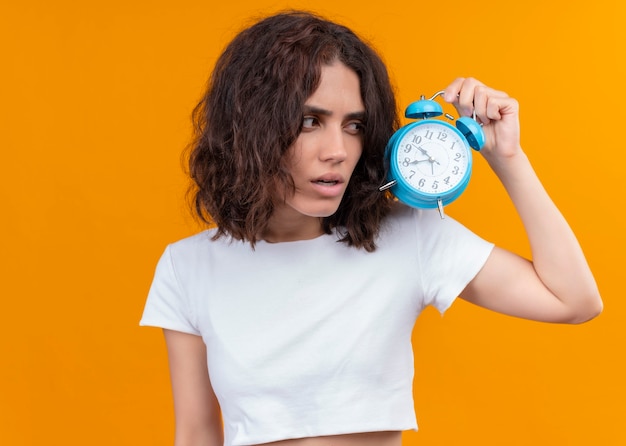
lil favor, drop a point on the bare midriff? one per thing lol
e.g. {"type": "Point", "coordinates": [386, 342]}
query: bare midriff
{"type": "Point", "coordinates": [387, 438]}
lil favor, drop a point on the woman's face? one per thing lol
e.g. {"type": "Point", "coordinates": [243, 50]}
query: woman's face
{"type": "Point", "coordinates": [324, 155]}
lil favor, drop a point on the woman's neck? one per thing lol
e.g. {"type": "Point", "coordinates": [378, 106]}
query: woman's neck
{"type": "Point", "coordinates": [291, 228]}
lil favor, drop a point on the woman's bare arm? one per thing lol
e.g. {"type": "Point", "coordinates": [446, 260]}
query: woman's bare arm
{"type": "Point", "coordinates": [557, 285]}
{"type": "Point", "coordinates": [198, 417]}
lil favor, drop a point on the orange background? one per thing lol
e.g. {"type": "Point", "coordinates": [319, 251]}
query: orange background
{"type": "Point", "coordinates": [95, 100]}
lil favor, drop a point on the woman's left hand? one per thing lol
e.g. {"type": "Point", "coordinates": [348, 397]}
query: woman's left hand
{"type": "Point", "coordinates": [495, 110]}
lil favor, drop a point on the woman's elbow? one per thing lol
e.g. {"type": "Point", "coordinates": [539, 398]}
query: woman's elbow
{"type": "Point", "coordinates": [590, 308]}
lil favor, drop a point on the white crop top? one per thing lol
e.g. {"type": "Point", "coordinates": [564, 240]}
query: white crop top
{"type": "Point", "coordinates": [313, 337]}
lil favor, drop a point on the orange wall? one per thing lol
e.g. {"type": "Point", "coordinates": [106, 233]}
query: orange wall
{"type": "Point", "coordinates": [94, 106]}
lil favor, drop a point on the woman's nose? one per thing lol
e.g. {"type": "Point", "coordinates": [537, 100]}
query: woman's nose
{"type": "Point", "coordinates": [333, 146]}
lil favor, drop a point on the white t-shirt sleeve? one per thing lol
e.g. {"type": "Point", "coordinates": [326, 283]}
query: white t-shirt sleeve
{"type": "Point", "coordinates": [450, 256]}
{"type": "Point", "coordinates": [167, 305]}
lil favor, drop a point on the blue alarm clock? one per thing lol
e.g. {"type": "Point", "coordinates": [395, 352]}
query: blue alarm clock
{"type": "Point", "coordinates": [430, 161]}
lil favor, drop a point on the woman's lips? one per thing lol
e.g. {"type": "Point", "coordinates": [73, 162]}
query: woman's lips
{"type": "Point", "coordinates": [329, 186]}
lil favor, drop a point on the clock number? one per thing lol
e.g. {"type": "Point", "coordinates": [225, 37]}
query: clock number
{"type": "Point", "coordinates": [446, 180]}
{"type": "Point", "coordinates": [455, 171]}
{"type": "Point", "coordinates": [435, 184]}
{"type": "Point", "coordinates": [428, 135]}
{"type": "Point", "coordinates": [452, 146]}
{"type": "Point", "coordinates": [407, 148]}
{"type": "Point", "coordinates": [422, 181]}
{"type": "Point", "coordinates": [406, 162]}
{"type": "Point", "coordinates": [417, 139]}
{"type": "Point", "coordinates": [442, 136]}
{"type": "Point", "coordinates": [457, 157]}
{"type": "Point", "coordinates": [411, 175]}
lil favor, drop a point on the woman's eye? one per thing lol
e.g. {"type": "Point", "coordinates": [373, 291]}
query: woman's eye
{"type": "Point", "coordinates": [309, 122]}
{"type": "Point", "coordinates": [355, 127]}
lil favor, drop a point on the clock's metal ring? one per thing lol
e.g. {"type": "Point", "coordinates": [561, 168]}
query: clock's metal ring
{"type": "Point", "coordinates": [440, 93]}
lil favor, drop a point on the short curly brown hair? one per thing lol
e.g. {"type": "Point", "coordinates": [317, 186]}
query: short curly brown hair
{"type": "Point", "coordinates": [252, 112]}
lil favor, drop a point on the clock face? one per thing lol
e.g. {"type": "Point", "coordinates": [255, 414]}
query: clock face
{"type": "Point", "coordinates": [432, 157]}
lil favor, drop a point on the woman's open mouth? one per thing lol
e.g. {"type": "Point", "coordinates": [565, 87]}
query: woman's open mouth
{"type": "Point", "coordinates": [327, 182]}
{"type": "Point", "coordinates": [329, 186]}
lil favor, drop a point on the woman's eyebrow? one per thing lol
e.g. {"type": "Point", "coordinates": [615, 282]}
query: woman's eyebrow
{"type": "Point", "coordinates": [322, 111]}
{"type": "Point", "coordinates": [316, 110]}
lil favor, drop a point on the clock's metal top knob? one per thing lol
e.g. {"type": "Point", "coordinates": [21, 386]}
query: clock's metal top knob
{"type": "Point", "coordinates": [423, 109]}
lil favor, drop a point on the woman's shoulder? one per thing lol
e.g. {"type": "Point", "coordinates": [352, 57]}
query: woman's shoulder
{"type": "Point", "coordinates": [192, 249]}
{"type": "Point", "coordinates": [429, 217]}
{"type": "Point", "coordinates": [198, 250]}
{"type": "Point", "coordinates": [402, 214]}
{"type": "Point", "coordinates": [193, 241]}
{"type": "Point", "coordinates": [424, 224]}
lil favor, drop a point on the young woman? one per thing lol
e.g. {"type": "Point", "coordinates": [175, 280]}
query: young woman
{"type": "Point", "coordinates": [290, 322]}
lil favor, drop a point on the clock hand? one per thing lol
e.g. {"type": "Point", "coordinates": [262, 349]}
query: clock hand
{"type": "Point", "coordinates": [430, 159]}
{"type": "Point", "coordinates": [422, 150]}
{"type": "Point", "coordinates": [425, 152]}
{"type": "Point", "coordinates": [432, 164]}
